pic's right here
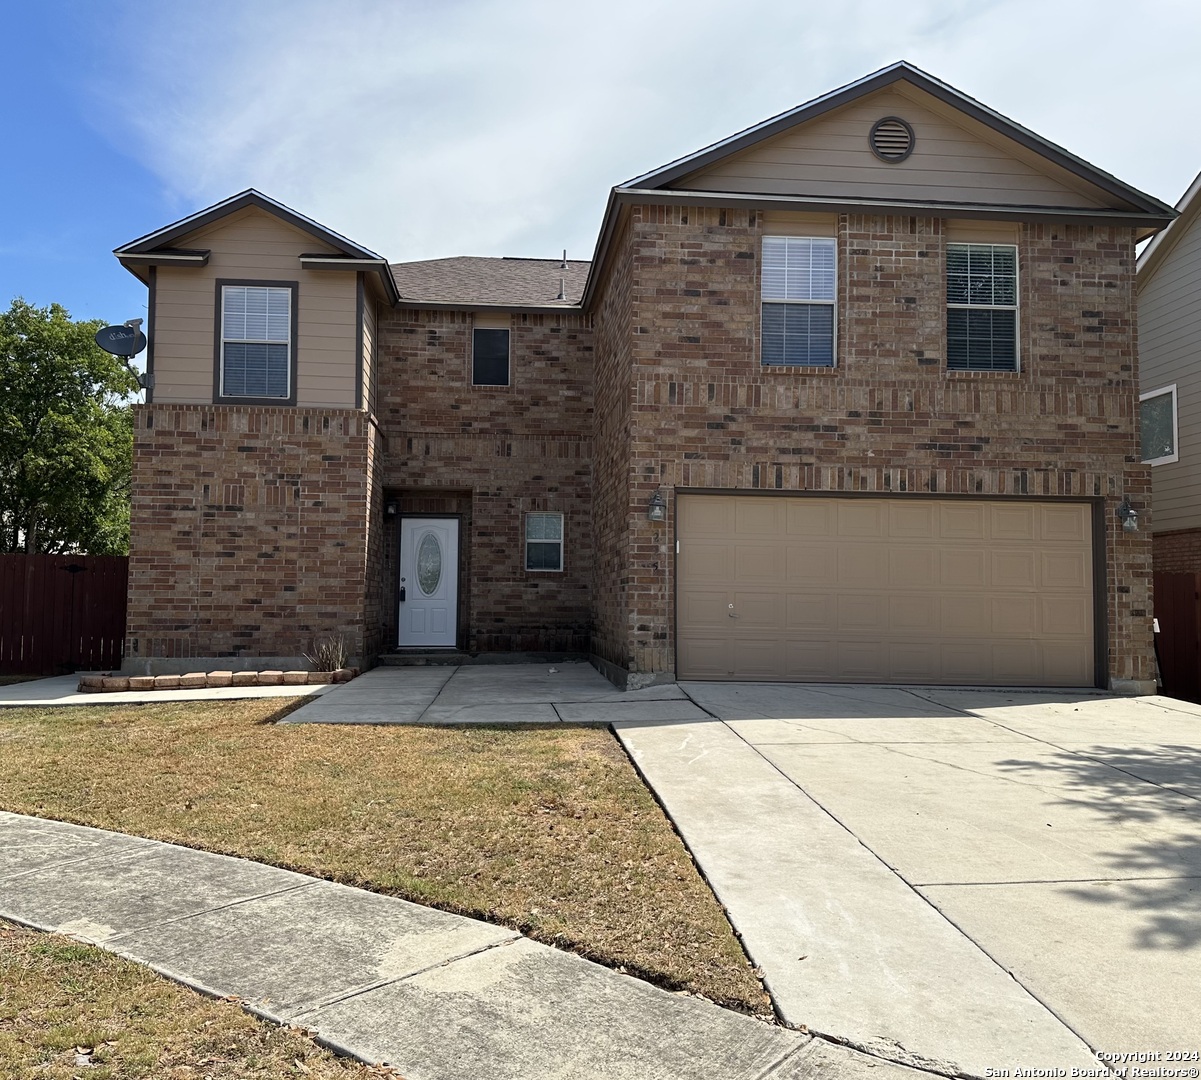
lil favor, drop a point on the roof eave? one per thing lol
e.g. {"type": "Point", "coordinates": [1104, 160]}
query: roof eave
{"type": "Point", "coordinates": [1155, 252]}
{"type": "Point", "coordinates": [406, 303]}
{"type": "Point", "coordinates": [377, 266]}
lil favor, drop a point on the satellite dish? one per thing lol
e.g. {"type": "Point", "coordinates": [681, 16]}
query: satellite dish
{"type": "Point", "coordinates": [121, 340]}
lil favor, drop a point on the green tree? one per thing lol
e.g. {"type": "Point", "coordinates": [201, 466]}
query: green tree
{"type": "Point", "coordinates": [66, 435]}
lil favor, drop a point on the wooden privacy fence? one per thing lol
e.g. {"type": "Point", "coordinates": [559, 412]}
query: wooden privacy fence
{"type": "Point", "coordinates": [1178, 643]}
{"type": "Point", "coordinates": [61, 613]}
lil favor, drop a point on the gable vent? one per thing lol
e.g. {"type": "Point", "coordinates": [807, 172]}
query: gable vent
{"type": "Point", "coordinates": [891, 139]}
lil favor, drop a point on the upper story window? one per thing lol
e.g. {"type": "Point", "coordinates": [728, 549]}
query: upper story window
{"type": "Point", "coordinates": [257, 346]}
{"type": "Point", "coordinates": [798, 301]}
{"type": "Point", "coordinates": [489, 357]}
{"type": "Point", "coordinates": [982, 312]}
{"type": "Point", "coordinates": [1157, 426]}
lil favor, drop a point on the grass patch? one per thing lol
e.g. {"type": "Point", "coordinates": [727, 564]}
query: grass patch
{"type": "Point", "coordinates": [9, 680]}
{"type": "Point", "coordinates": [61, 1001]}
{"type": "Point", "coordinates": [547, 830]}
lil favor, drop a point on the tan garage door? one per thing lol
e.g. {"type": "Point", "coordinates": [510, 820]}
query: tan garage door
{"type": "Point", "coordinates": [884, 590]}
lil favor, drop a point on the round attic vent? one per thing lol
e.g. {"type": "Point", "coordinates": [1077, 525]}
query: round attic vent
{"type": "Point", "coordinates": [891, 139]}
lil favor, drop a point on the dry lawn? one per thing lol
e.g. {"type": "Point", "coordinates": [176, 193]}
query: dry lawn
{"type": "Point", "coordinates": [9, 680]}
{"type": "Point", "coordinates": [547, 830]}
{"type": "Point", "coordinates": [69, 1010]}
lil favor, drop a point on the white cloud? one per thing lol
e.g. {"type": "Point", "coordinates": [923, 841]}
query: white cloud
{"type": "Point", "coordinates": [471, 127]}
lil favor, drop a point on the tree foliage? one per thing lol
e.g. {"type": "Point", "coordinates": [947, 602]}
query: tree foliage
{"type": "Point", "coordinates": [66, 435]}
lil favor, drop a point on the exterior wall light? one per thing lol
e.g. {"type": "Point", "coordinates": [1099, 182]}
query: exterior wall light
{"type": "Point", "coordinates": [390, 508]}
{"type": "Point", "coordinates": [657, 508]}
{"type": "Point", "coordinates": [1128, 516]}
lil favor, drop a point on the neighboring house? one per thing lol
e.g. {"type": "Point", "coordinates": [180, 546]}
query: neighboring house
{"type": "Point", "coordinates": [848, 396]}
{"type": "Point", "coordinates": [1169, 347]}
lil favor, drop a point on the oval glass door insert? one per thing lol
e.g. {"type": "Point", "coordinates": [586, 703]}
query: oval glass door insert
{"type": "Point", "coordinates": [429, 564]}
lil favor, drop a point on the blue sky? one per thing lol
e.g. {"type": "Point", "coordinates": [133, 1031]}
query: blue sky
{"type": "Point", "coordinates": [468, 127]}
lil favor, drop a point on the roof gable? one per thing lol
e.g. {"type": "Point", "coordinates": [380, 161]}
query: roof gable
{"type": "Point", "coordinates": [1154, 254]}
{"type": "Point", "coordinates": [170, 235]}
{"type": "Point", "coordinates": [964, 153]}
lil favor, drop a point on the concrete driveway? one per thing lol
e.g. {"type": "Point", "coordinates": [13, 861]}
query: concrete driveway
{"type": "Point", "coordinates": [971, 880]}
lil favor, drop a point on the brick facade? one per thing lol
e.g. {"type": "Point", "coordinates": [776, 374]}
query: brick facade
{"type": "Point", "coordinates": [249, 531]}
{"type": "Point", "coordinates": [889, 418]}
{"type": "Point", "coordinates": [489, 455]}
{"type": "Point", "coordinates": [1177, 552]}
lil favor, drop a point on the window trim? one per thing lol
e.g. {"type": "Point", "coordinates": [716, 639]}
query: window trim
{"type": "Point", "coordinates": [1167, 459]}
{"type": "Point", "coordinates": [219, 341]}
{"type": "Point", "coordinates": [831, 303]}
{"type": "Point", "coordinates": [1015, 307]}
{"type": "Point", "coordinates": [562, 542]}
{"type": "Point", "coordinates": [508, 331]}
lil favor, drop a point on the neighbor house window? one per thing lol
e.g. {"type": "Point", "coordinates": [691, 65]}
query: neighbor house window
{"type": "Point", "coordinates": [544, 541]}
{"type": "Point", "coordinates": [1157, 424]}
{"type": "Point", "coordinates": [257, 344]}
{"type": "Point", "coordinates": [489, 357]}
{"type": "Point", "coordinates": [982, 307]}
{"type": "Point", "coordinates": [798, 301]}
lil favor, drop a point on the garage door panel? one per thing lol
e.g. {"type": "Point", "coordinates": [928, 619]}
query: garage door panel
{"type": "Point", "coordinates": [913, 521]}
{"type": "Point", "coordinates": [1009, 522]}
{"type": "Point", "coordinates": [759, 562]}
{"type": "Point", "coordinates": [912, 567]}
{"type": "Point", "coordinates": [862, 565]}
{"type": "Point", "coordinates": [862, 517]}
{"type": "Point", "coordinates": [1065, 524]}
{"type": "Point", "coordinates": [809, 517]}
{"type": "Point", "coordinates": [863, 611]}
{"type": "Point", "coordinates": [1064, 570]}
{"type": "Point", "coordinates": [886, 589]}
{"type": "Point", "coordinates": [811, 611]}
{"type": "Point", "coordinates": [961, 521]}
{"type": "Point", "coordinates": [962, 568]}
{"type": "Point", "coordinates": [1013, 569]}
{"type": "Point", "coordinates": [807, 563]}
{"type": "Point", "coordinates": [704, 609]}
{"type": "Point", "coordinates": [913, 612]}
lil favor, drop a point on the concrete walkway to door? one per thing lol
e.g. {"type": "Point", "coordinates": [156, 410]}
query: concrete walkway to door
{"type": "Point", "coordinates": [982, 879]}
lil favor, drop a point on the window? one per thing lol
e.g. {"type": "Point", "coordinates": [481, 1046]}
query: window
{"type": "Point", "coordinates": [257, 346]}
{"type": "Point", "coordinates": [544, 541]}
{"type": "Point", "coordinates": [982, 312]}
{"type": "Point", "coordinates": [489, 357]}
{"type": "Point", "coordinates": [1157, 425]}
{"type": "Point", "coordinates": [798, 301]}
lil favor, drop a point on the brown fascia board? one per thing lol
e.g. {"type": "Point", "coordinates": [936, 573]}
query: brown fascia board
{"type": "Point", "coordinates": [1155, 252]}
{"type": "Point", "coordinates": [165, 236]}
{"type": "Point", "coordinates": [624, 196]}
{"type": "Point", "coordinates": [408, 304]}
{"type": "Point", "coordinates": [902, 70]}
{"type": "Point", "coordinates": [319, 261]}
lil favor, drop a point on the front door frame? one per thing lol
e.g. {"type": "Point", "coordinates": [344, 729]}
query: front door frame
{"type": "Point", "coordinates": [460, 606]}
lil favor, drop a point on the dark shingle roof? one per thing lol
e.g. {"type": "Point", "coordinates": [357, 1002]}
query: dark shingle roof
{"type": "Point", "coordinates": [473, 281]}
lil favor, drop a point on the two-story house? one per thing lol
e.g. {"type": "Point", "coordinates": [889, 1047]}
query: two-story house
{"type": "Point", "coordinates": [849, 396]}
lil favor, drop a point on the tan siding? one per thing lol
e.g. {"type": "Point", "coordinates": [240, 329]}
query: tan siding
{"type": "Point", "coordinates": [369, 374]}
{"type": "Point", "coordinates": [1170, 352]}
{"type": "Point", "coordinates": [256, 246]}
{"type": "Point", "coordinates": [955, 159]}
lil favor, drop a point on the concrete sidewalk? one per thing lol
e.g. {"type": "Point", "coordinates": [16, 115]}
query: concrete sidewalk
{"type": "Point", "coordinates": [438, 996]}
{"type": "Point", "coordinates": [64, 690]}
{"type": "Point", "coordinates": [571, 692]}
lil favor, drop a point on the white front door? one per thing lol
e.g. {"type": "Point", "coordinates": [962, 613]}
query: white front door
{"type": "Point", "coordinates": [429, 581]}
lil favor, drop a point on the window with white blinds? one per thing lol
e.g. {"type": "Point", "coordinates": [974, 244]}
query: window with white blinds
{"type": "Point", "coordinates": [256, 341]}
{"type": "Point", "coordinates": [798, 288]}
{"type": "Point", "coordinates": [982, 307]}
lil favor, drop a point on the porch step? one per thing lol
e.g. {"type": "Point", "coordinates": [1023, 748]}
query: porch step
{"type": "Point", "coordinates": [454, 658]}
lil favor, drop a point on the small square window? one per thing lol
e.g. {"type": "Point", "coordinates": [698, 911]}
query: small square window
{"type": "Point", "coordinates": [544, 541]}
{"type": "Point", "coordinates": [489, 357]}
{"type": "Point", "coordinates": [1157, 426]}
